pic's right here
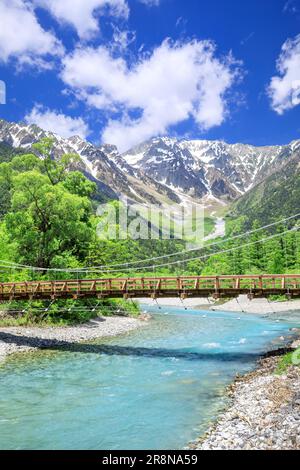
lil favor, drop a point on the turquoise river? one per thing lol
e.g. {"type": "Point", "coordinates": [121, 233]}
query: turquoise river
{"type": "Point", "coordinates": [157, 387]}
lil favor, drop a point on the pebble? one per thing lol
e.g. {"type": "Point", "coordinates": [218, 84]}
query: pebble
{"type": "Point", "coordinates": [264, 412]}
{"type": "Point", "coordinates": [16, 339]}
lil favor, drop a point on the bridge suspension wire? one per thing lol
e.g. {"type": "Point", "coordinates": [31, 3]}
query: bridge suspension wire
{"type": "Point", "coordinates": [152, 267]}
{"type": "Point", "coordinates": [294, 229]}
{"type": "Point", "coordinates": [178, 253]}
{"type": "Point", "coordinates": [14, 312]}
{"type": "Point", "coordinates": [18, 266]}
{"type": "Point", "coordinates": [117, 311]}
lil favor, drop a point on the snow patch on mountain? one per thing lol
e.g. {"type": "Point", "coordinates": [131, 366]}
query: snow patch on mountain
{"type": "Point", "coordinates": [164, 168]}
{"type": "Point", "coordinates": [203, 167]}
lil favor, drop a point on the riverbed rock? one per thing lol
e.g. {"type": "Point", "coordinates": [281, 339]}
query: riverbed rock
{"type": "Point", "coordinates": [264, 413]}
{"type": "Point", "coordinates": [295, 344]}
{"type": "Point", "coordinates": [18, 339]}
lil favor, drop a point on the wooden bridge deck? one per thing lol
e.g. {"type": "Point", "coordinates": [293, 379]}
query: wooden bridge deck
{"type": "Point", "coordinates": [184, 287]}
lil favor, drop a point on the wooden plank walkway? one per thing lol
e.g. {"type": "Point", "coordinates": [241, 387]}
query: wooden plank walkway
{"type": "Point", "coordinates": [155, 287]}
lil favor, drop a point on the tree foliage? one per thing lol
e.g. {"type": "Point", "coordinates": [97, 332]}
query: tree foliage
{"type": "Point", "coordinates": [46, 208]}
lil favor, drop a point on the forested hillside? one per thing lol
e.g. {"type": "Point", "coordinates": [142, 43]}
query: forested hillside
{"type": "Point", "coordinates": [7, 152]}
{"type": "Point", "coordinates": [277, 197]}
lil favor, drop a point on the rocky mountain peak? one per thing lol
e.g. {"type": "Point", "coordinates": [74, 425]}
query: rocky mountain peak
{"type": "Point", "coordinates": [204, 167]}
{"type": "Point", "coordinates": [103, 165]}
{"type": "Point", "coordinates": [163, 167]}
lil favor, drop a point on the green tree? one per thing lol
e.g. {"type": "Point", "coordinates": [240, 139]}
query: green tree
{"type": "Point", "coordinates": [55, 169]}
{"type": "Point", "coordinates": [5, 188]}
{"type": "Point", "coordinates": [76, 183]}
{"type": "Point", "coordinates": [47, 220]}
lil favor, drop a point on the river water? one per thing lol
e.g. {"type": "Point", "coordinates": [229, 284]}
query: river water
{"type": "Point", "coordinates": [154, 388]}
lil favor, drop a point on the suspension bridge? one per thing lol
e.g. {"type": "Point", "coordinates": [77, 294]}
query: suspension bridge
{"type": "Point", "coordinates": [182, 287]}
{"type": "Point", "coordinates": [108, 283]}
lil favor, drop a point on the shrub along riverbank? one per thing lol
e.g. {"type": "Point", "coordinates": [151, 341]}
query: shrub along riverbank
{"type": "Point", "coordinates": [63, 312]}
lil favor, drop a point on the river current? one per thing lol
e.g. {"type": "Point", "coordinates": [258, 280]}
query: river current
{"type": "Point", "coordinates": [157, 387]}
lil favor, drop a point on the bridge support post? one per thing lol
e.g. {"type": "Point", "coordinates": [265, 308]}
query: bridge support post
{"type": "Point", "coordinates": [217, 288]}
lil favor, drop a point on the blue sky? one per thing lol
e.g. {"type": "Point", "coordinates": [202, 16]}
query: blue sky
{"type": "Point", "coordinates": [122, 71]}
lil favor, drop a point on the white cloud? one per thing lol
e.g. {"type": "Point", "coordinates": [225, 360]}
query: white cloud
{"type": "Point", "coordinates": [56, 122]}
{"type": "Point", "coordinates": [176, 82]}
{"type": "Point", "coordinates": [122, 38]}
{"type": "Point", "coordinates": [22, 37]}
{"type": "Point", "coordinates": [284, 90]}
{"type": "Point", "coordinates": [82, 14]}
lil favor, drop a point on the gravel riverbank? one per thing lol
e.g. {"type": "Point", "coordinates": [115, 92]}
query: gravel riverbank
{"type": "Point", "coordinates": [242, 305]}
{"type": "Point", "coordinates": [264, 413]}
{"type": "Point", "coordinates": [22, 339]}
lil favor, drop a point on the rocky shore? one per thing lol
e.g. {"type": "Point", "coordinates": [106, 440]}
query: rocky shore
{"type": "Point", "coordinates": [242, 305]}
{"type": "Point", "coordinates": [22, 339]}
{"type": "Point", "coordinates": [264, 413]}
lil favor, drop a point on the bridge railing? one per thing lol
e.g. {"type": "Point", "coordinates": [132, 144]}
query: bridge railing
{"type": "Point", "coordinates": [206, 285]}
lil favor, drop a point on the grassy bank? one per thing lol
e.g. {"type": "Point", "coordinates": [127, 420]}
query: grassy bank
{"type": "Point", "coordinates": [63, 312]}
{"type": "Point", "coordinates": [287, 361]}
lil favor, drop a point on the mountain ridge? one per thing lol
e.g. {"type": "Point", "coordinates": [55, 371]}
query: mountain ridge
{"type": "Point", "coordinates": [95, 164]}
{"type": "Point", "coordinates": [220, 169]}
{"type": "Point", "coordinates": [164, 169]}
{"type": "Point", "coordinates": [275, 197]}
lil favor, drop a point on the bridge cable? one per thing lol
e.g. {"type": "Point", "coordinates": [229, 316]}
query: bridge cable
{"type": "Point", "coordinates": [203, 256]}
{"type": "Point", "coordinates": [296, 228]}
{"type": "Point", "coordinates": [198, 248]}
{"type": "Point", "coordinates": [91, 268]}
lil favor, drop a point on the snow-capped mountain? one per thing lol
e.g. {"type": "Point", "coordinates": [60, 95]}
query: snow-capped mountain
{"type": "Point", "coordinates": [201, 167]}
{"type": "Point", "coordinates": [103, 165]}
{"type": "Point", "coordinates": [163, 170]}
